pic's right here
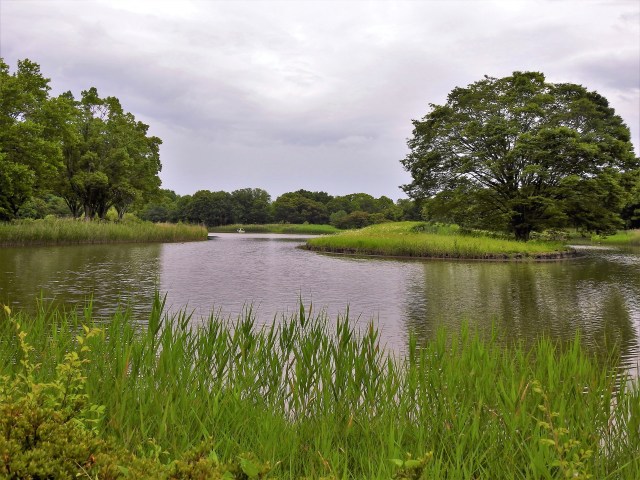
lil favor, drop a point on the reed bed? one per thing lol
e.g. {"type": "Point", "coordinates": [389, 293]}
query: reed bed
{"type": "Point", "coordinates": [626, 237]}
{"type": "Point", "coordinates": [321, 398]}
{"type": "Point", "coordinates": [416, 239]}
{"type": "Point", "coordinates": [68, 231]}
{"type": "Point", "coordinates": [290, 228]}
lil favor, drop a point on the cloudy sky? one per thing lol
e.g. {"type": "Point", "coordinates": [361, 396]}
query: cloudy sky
{"type": "Point", "coordinates": [312, 94]}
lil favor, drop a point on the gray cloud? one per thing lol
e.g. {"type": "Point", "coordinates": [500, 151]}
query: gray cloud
{"type": "Point", "coordinates": [316, 95]}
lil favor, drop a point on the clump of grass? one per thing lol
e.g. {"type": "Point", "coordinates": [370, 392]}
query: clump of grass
{"type": "Point", "coordinates": [321, 398]}
{"type": "Point", "coordinates": [291, 228]}
{"type": "Point", "coordinates": [417, 239]}
{"type": "Point", "coordinates": [626, 237]}
{"type": "Point", "coordinates": [69, 231]}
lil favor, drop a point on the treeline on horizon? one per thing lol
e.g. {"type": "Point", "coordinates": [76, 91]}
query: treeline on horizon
{"type": "Point", "coordinates": [248, 206]}
{"type": "Point", "coordinates": [89, 158]}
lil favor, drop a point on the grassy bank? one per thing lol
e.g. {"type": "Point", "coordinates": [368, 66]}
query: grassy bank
{"type": "Point", "coordinates": [311, 397]}
{"type": "Point", "coordinates": [626, 237]}
{"type": "Point", "coordinates": [306, 229]}
{"type": "Point", "coordinates": [64, 231]}
{"type": "Point", "coordinates": [417, 239]}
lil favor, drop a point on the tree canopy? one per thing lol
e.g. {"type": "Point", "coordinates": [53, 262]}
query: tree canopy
{"type": "Point", "coordinates": [521, 154]}
{"type": "Point", "coordinates": [90, 152]}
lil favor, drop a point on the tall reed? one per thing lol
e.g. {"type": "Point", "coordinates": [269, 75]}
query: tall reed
{"type": "Point", "coordinates": [69, 231]}
{"type": "Point", "coordinates": [320, 397]}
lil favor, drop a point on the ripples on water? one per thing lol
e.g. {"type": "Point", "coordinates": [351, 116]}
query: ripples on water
{"type": "Point", "coordinates": [598, 294]}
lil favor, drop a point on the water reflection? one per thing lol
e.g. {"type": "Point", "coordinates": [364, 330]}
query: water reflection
{"type": "Point", "coordinates": [112, 275]}
{"type": "Point", "coordinates": [598, 294]}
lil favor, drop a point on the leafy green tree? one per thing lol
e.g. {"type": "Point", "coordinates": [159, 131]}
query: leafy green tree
{"type": "Point", "coordinates": [109, 158]}
{"type": "Point", "coordinates": [210, 208]}
{"type": "Point", "coordinates": [294, 207]}
{"type": "Point", "coordinates": [521, 147]}
{"type": "Point", "coordinates": [631, 209]}
{"type": "Point", "coordinates": [30, 131]}
{"type": "Point", "coordinates": [251, 205]}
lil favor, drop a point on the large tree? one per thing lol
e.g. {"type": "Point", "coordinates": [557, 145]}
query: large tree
{"type": "Point", "coordinates": [30, 132]}
{"type": "Point", "coordinates": [109, 158]}
{"type": "Point", "coordinates": [523, 154]}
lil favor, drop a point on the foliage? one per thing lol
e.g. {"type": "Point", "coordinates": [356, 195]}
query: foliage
{"type": "Point", "coordinates": [50, 429]}
{"type": "Point", "coordinates": [109, 158]}
{"type": "Point", "coordinates": [30, 151]}
{"type": "Point", "coordinates": [251, 205]}
{"type": "Point", "coordinates": [89, 152]}
{"type": "Point", "coordinates": [321, 398]}
{"type": "Point", "coordinates": [628, 237]}
{"type": "Point", "coordinates": [521, 154]}
{"type": "Point", "coordinates": [294, 207]}
{"type": "Point", "coordinates": [417, 239]}
{"type": "Point", "coordinates": [52, 231]}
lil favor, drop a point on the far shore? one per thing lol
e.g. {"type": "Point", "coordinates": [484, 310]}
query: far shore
{"type": "Point", "coordinates": [72, 232]}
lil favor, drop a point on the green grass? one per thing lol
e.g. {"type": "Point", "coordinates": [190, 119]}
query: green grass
{"type": "Point", "coordinates": [319, 398]}
{"type": "Point", "coordinates": [306, 229]}
{"type": "Point", "coordinates": [417, 239]}
{"type": "Point", "coordinates": [626, 237]}
{"type": "Point", "coordinates": [66, 231]}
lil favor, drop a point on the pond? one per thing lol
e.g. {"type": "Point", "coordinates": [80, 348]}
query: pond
{"type": "Point", "coordinates": [597, 294]}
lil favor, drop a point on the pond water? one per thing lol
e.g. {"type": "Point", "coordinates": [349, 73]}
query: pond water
{"type": "Point", "coordinates": [598, 294]}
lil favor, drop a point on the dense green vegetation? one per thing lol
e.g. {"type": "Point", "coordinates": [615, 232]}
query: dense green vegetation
{"type": "Point", "coordinates": [521, 155]}
{"type": "Point", "coordinates": [419, 239]}
{"type": "Point", "coordinates": [52, 231]}
{"type": "Point", "coordinates": [308, 397]}
{"type": "Point", "coordinates": [89, 152]}
{"type": "Point", "coordinates": [628, 237]}
{"type": "Point", "coordinates": [254, 206]}
{"type": "Point", "coordinates": [306, 229]}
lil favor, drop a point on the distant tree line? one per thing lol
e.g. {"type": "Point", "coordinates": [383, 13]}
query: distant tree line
{"type": "Point", "coordinates": [254, 206]}
{"type": "Point", "coordinates": [86, 154]}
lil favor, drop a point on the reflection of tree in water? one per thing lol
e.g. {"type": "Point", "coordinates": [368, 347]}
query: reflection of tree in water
{"type": "Point", "coordinates": [114, 275]}
{"type": "Point", "coordinates": [596, 296]}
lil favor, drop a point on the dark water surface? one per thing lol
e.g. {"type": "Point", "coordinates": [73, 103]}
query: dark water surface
{"type": "Point", "coordinates": [598, 294]}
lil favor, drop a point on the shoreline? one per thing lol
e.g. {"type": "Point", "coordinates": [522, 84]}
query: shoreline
{"type": "Point", "coordinates": [500, 257]}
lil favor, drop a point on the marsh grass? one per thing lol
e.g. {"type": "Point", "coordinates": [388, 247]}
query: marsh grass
{"type": "Point", "coordinates": [626, 237]}
{"type": "Point", "coordinates": [68, 231]}
{"type": "Point", "coordinates": [417, 239]}
{"type": "Point", "coordinates": [306, 229]}
{"type": "Point", "coordinates": [321, 398]}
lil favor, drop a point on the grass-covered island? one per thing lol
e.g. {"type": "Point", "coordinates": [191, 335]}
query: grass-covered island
{"type": "Point", "coordinates": [423, 240]}
{"type": "Point", "coordinates": [307, 397]}
{"type": "Point", "coordinates": [289, 228]}
{"type": "Point", "coordinates": [59, 231]}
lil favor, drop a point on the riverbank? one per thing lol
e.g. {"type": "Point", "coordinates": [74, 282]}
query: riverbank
{"type": "Point", "coordinates": [626, 237]}
{"type": "Point", "coordinates": [290, 228]}
{"type": "Point", "coordinates": [73, 232]}
{"type": "Point", "coordinates": [308, 397]}
{"type": "Point", "coordinates": [420, 240]}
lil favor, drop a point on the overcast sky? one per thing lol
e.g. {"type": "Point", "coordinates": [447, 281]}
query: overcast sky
{"type": "Point", "coordinates": [312, 94]}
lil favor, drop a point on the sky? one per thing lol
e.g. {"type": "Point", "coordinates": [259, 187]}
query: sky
{"type": "Point", "coordinates": [319, 95]}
